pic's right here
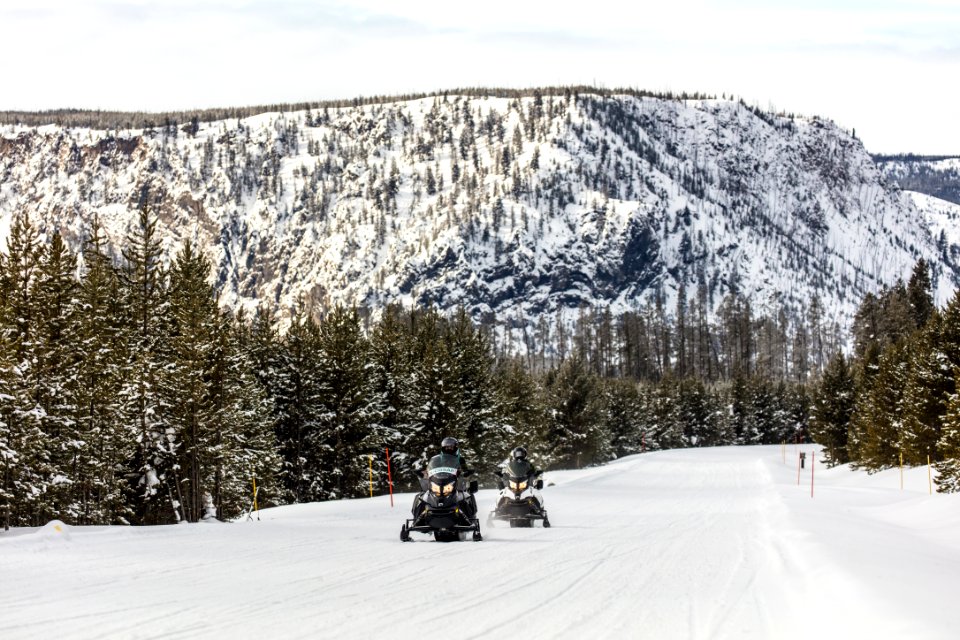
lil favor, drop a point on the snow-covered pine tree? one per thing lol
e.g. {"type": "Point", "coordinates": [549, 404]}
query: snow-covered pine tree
{"type": "Point", "coordinates": [433, 414]}
{"type": "Point", "coordinates": [656, 408]}
{"type": "Point", "coordinates": [476, 403]}
{"type": "Point", "coordinates": [737, 416]}
{"type": "Point", "coordinates": [696, 414]}
{"type": "Point", "coordinates": [248, 445]}
{"type": "Point", "coordinates": [929, 385]}
{"type": "Point", "coordinates": [620, 413]}
{"type": "Point", "coordinates": [758, 411]}
{"type": "Point", "coordinates": [296, 401]}
{"type": "Point", "coordinates": [54, 362]}
{"type": "Point", "coordinates": [522, 411]}
{"type": "Point", "coordinates": [143, 416]}
{"type": "Point", "coordinates": [23, 462]}
{"type": "Point", "coordinates": [673, 422]}
{"type": "Point", "coordinates": [919, 292]}
{"type": "Point", "coordinates": [948, 449]}
{"type": "Point", "coordinates": [343, 438]}
{"type": "Point", "coordinates": [833, 405]}
{"type": "Point", "coordinates": [875, 428]}
{"type": "Point", "coordinates": [191, 397]}
{"type": "Point", "coordinates": [572, 416]}
{"type": "Point", "coordinates": [389, 380]}
{"type": "Point", "coordinates": [101, 490]}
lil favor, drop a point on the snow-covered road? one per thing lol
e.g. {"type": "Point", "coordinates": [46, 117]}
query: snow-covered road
{"type": "Point", "coordinates": [705, 543]}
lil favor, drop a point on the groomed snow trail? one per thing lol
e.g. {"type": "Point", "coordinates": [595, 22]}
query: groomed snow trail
{"type": "Point", "coordinates": [707, 543]}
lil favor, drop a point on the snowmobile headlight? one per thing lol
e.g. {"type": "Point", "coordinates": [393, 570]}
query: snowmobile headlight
{"type": "Point", "coordinates": [447, 489]}
{"type": "Point", "coordinates": [437, 489]}
{"type": "Point", "coordinates": [514, 485]}
{"type": "Point", "coordinates": [523, 485]}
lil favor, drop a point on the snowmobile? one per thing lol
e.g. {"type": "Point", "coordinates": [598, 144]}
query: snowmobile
{"type": "Point", "coordinates": [520, 502]}
{"type": "Point", "coordinates": [444, 508]}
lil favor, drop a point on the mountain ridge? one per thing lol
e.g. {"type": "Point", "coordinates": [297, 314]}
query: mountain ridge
{"type": "Point", "coordinates": [518, 207]}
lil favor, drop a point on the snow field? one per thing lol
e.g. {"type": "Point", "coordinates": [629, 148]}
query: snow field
{"type": "Point", "coordinates": [696, 543]}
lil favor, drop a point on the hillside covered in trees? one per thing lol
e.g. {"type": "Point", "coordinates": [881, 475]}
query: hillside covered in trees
{"type": "Point", "coordinates": [129, 396]}
{"type": "Point", "coordinates": [523, 206]}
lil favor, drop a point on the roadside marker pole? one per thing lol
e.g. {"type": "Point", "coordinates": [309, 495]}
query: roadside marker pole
{"type": "Point", "coordinates": [813, 463]}
{"type": "Point", "coordinates": [389, 477]}
{"type": "Point", "coordinates": [929, 475]}
{"type": "Point", "coordinates": [901, 471]}
{"type": "Point", "coordinates": [370, 461]}
{"type": "Point", "coordinates": [255, 506]}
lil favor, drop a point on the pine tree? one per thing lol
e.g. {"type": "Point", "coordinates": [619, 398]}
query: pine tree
{"type": "Point", "coordinates": [253, 363]}
{"type": "Point", "coordinates": [101, 488]}
{"type": "Point", "coordinates": [920, 294]}
{"type": "Point", "coordinates": [696, 414]}
{"type": "Point", "coordinates": [522, 411]}
{"type": "Point", "coordinates": [193, 406]}
{"type": "Point", "coordinates": [343, 439]}
{"type": "Point", "coordinates": [433, 397]}
{"type": "Point", "coordinates": [476, 403]}
{"type": "Point", "coordinates": [573, 411]}
{"type": "Point", "coordinates": [54, 363]}
{"type": "Point", "coordinates": [833, 406]}
{"type": "Point", "coordinates": [24, 460]}
{"type": "Point", "coordinates": [929, 385]}
{"type": "Point", "coordinates": [240, 437]}
{"type": "Point", "coordinates": [296, 408]}
{"type": "Point", "coordinates": [876, 424]}
{"type": "Point", "coordinates": [739, 425]}
{"type": "Point", "coordinates": [144, 413]}
{"type": "Point", "coordinates": [948, 447]}
{"type": "Point", "coordinates": [389, 381]}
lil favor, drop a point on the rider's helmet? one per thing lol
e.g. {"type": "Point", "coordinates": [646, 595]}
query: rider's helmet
{"type": "Point", "coordinates": [519, 453]}
{"type": "Point", "coordinates": [449, 445]}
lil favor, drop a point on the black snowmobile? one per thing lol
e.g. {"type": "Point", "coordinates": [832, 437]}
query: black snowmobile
{"type": "Point", "coordinates": [520, 502]}
{"type": "Point", "coordinates": [444, 508]}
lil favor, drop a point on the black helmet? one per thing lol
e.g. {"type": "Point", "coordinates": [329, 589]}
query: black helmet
{"type": "Point", "coordinates": [519, 453]}
{"type": "Point", "coordinates": [449, 445]}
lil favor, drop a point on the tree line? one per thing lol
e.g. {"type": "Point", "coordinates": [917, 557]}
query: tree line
{"type": "Point", "coordinates": [894, 399]}
{"type": "Point", "coordinates": [105, 119]}
{"type": "Point", "coordinates": [128, 396]}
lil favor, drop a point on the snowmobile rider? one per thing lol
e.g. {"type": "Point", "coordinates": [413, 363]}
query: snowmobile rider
{"type": "Point", "coordinates": [450, 456]}
{"type": "Point", "coordinates": [519, 458]}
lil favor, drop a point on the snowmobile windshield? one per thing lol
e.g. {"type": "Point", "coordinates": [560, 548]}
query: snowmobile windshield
{"type": "Point", "coordinates": [518, 469]}
{"type": "Point", "coordinates": [443, 463]}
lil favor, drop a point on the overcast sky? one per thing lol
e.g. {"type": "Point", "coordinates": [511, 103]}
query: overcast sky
{"type": "Point", "coordinates": [887, 68]}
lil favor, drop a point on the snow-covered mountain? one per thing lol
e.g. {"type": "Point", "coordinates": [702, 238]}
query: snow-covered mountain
{"type": "Point", "coordinates": [935, 176]}
{"type": "Point", "coordinates": [520, 206]}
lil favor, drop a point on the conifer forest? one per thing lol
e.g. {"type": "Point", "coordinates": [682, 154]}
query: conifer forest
{"type": "Point", "coordinates": [127, 395]}
{"type": "Point", "coordinates": [191, 301]}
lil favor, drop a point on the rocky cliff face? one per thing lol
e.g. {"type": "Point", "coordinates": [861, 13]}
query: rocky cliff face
{"type": "Point", "coordinates": [515, 208]}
